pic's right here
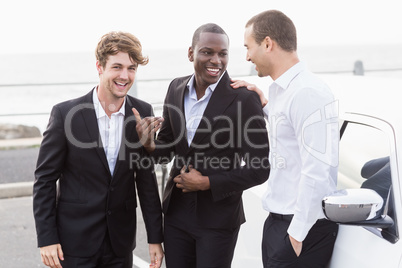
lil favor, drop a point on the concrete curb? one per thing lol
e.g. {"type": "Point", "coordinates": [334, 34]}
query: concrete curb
{"type": "Point", "coordinates": [18, 189]}
{"type": "Point", "coordinates": [20, 143]}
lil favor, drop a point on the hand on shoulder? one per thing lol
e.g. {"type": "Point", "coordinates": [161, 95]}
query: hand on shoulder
{"type": "Point", "coordinates": [241, 83]}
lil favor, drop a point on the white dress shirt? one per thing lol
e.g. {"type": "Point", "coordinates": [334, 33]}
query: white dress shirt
{"type": "Point", "coordinates": [304, 137]}
{"type": "Point", "coordinates": [194, 108]}
{"type": "Point", "coordinates": [110, 130]}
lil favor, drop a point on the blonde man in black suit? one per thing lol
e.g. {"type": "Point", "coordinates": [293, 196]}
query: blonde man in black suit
{"type": "Point", "coordinates": [89, 219]}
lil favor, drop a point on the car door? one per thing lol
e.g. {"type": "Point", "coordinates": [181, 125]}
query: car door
{"type": "Point", "coordinates": [368, 159]}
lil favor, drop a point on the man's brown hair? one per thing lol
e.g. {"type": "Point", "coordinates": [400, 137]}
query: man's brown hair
{"type": "Point", "coordinates": [115, 42]}
{"type": "Point", "coordinates": [277, 26]}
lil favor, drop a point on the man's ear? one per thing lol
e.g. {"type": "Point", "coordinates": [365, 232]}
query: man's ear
{"type": "Point", "coordinates": [99, 67]}
{"type": "Point", "coordinates": [268, 42]}
{"type": "Point", "coordinates": [190, 54]}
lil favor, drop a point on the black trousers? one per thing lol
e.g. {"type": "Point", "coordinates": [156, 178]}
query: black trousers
{"type": "Point", "coordinates": [189, 245]}
{"type": "Point", "coordinates": [277, 251]}
{"type": "Point", "coordinates": [104, 258]}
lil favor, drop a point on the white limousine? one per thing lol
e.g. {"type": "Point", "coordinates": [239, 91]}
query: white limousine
{"type": "Point", "coordinates": [370, 167]}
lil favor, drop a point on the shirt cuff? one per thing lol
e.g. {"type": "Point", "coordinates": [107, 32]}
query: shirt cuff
{"type": "Point", "coordinates": [265, 111]}
{"type": "Point", "coordinates": [299, 229]}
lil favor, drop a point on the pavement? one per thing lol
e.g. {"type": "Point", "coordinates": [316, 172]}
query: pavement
{"type": "Point", "coordinates": [18, 159]}
{"type": "Point", "coordinates": [18, 247]}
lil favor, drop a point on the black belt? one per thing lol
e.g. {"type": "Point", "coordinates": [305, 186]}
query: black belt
{"type": "Point", "coordinates": [287, 217]}
{"type": "Point", "coordinates": [281, 217]}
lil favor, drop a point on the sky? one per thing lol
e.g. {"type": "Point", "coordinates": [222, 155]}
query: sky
{"type": "Point", "coordinates": [76, 25]}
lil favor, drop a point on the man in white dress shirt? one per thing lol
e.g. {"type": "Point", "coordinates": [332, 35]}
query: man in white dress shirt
{"type": "Point", "coordinates": [304, 137]}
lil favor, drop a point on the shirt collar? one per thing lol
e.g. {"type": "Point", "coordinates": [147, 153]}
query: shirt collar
{"type": "Point", "coordinates": [191, 89]}
{"type": "Point", "coordinates": [100, 112]}
{"type": "Point", "coordinates": [284, 80]}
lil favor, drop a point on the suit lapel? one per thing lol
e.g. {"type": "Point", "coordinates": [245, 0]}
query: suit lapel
{"type": "Point", "coordinates": [221, 98]}
{"type": "Point", "coordinates": [180, 122]}
{"type": "Point", "coordinates": [91, 122]}
{"type": "Point", "coordinates": [179, 94]}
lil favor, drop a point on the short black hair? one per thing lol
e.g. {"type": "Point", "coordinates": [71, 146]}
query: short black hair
{"type": "Point", "coordinates": [207, 28]}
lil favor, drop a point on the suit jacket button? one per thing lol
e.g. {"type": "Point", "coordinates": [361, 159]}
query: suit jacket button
{"type": "Point", "coordinates": [109, 212]}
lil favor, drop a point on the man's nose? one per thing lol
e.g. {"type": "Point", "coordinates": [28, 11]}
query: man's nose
{"type": "Point", "coordinates": [124, 74]}
{"type": "Point", "coordinates": [216, 59]}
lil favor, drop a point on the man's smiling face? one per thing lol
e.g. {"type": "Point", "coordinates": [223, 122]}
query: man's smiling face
{"type": "Point", "coordinates": [118, 75]}
{"type": "Point", "coordinates": [210, 57]}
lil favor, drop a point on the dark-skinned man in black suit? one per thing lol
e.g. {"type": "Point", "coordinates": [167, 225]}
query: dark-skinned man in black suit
{"type": "Point", "coordinates": [219, 142]}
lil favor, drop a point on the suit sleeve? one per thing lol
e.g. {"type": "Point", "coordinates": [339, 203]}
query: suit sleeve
{"type": "Point", "coordinates": [49, 167]}
{"type": "Point", "coordinates": [254, 152]}
{"type": "Point", "coordinates": [164, 144]}
{"type": "Point", "coordinates": [149, 198]}
{"type": "Point", "coordinates": [150, 203]}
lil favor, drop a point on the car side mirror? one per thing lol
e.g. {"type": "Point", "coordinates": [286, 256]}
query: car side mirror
{"type": "Point", "coordinates": [360, 207]}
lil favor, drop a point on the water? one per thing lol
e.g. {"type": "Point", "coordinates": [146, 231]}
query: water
{"type": "Point", "coordinates": [78, 69]}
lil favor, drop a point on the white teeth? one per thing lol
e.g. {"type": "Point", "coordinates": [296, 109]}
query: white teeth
{"type": "Point", "coordinates": [120, 84]}
{"type": "Point", "coordinates": [213, 70]}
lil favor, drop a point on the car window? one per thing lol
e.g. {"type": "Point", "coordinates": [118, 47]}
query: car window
{"type": "Point", "coordinates": [364, 162]}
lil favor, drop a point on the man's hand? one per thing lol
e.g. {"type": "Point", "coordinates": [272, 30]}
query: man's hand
{"type": "Point", "coordinates": [297, 246]}
{"type": "Point", "coordinates": [146, 129]}
{"type": "Point", "coordinates": [251, 87]}
{"type": "Point", "coordinates": [51, 254]}
{"type": "Point", "coordinates": [156, 254]}
{"type": "Point", "coordinates": [191, 181]}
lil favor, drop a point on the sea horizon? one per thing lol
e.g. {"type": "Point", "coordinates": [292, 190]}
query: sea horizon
{"type": "Point", "coordinates": [33, 83]}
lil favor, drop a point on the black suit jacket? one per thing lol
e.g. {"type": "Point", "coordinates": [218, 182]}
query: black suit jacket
{"type": "Point", "coordinates": [233, 128]}
{"type": "Point", "coordinates": [88, 201]}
